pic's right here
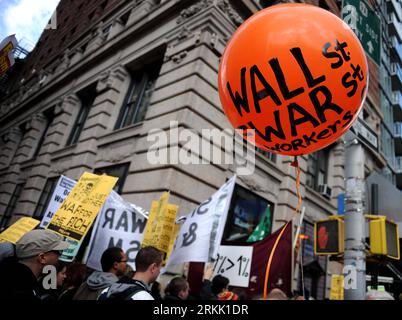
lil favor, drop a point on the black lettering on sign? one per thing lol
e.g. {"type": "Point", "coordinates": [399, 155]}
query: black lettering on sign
{"type": "Point", "coordinates": [190, 236]}
{"type": "Point", "coordinates": [278, 132]}
{"type": "Point", "coordinates": [132, 252]}
{"type": "Point", "coordinates": [280, 78]}
{"type": "Point", "coordinates": [201, 209]}
{"type": "Point", "coordinates": [240, 102]}
{"type": "Point", "coordinates": [311, 82]}
{"type": "Point", "coordinates": [309, 139]}
{"type": "Point", "coordinates": [306, 117]}
{"type": "Point", "coordinates": [333, 126]}
{"type": "Point", "coordinates": [341, 47]}
{"type": "Point", "coordinates": [268, 91]}
{"type": "Point", "coordinates": [109, 217]}
{"type": "Point", "coordinates": [122, 222]}
{"type": "Point", "coordinates": [357, 72]}
{"type": "Point", "coordinates": [348, 82]}
{"type": "Point", "coordinates": [332, 55]}
{"type": "Point", "coordinates": [137, 224]}
{"type": "Point", "coordinates": [113, 244]}
{"type": "Point", "coordinates": [326, 105]}
{"type": "Point", "coordinates": [348, 117]}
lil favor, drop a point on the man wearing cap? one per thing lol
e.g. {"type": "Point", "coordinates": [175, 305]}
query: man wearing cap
{"type": "Point", "coordinates": [35, 250]}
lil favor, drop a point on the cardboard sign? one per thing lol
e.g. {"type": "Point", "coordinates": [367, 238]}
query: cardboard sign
{"type": "Point", "coordinates": [61, 191]}
{"type": "Point", "coordinates": [18, 229]}
{"type": "Point", "coordinates": [79, 209]}
{"type": "Point", "coordinates": [161, 228]}
{"type": "Point", "coordinates": [118, 225]}
{"type": "Point", "coordinates": [234, 263]}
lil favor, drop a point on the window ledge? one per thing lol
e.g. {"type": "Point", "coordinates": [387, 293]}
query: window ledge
{"type": "Point", "coordinates": [61, 153]}
{"type": "Point", "coordinates": [120, 134]}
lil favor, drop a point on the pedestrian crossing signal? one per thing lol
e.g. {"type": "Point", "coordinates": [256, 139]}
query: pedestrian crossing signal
{"type": "Point", "coordinates": [384, 238]}
{"type": "Point", "coordinates": [329, 237]}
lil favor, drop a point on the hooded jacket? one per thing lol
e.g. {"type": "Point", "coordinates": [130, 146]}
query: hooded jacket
{"type": "Point", "coordinates": [132, 290]}
{"type": "Point", "coordinates": [96, 282]}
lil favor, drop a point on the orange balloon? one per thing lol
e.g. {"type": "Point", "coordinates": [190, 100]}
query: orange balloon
{"type": "Point", "coordinates": [295, 74]}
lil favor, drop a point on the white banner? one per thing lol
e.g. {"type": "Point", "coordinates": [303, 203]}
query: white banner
{"type": "Point", "coordinates": [200, 235]}
{"type": "Point", "coordinates": [234, 263]}
{"type": "Point", "coordinates": [119, 224]}
{"type": "Point", "coordinates": [62, 189]}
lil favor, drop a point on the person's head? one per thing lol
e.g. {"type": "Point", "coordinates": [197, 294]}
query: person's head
{"type": "Point", "coordinates": [378, 295]}
{"type": "Point", "coordinates": [219, 284]}
{"type": "Point", "coordinates": [76, 273]}
{"type": "Point", "coordinates": [148, 263]}
{"type": "Point", "coordinates": [114, 260]}
{"type": "Point", "coordinates": [38, 248]}
{"type": "Point", "coordinates": [277, 294]}
{"type": "Point", "coordinates": [178, 287]}
{"type": "Point", "coordinates": [61, 268]}
{"type": "Point", "coordinates": [228, 295]}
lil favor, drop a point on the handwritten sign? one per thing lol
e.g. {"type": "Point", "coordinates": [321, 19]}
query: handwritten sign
{"type": "Point", "coordinates": [18, 229]}
{"type": "Point", "coordinates": [79, 209]}
{"type": "Point", "coordinates": [234, 263]}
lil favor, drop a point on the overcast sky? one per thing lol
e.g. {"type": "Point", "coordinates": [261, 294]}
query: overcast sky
{"type": "Point", "coordinates": [25, 18]}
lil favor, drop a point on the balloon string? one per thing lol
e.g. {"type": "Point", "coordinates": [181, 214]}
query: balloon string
{"type": "Point", "coordinates": [295, 164]}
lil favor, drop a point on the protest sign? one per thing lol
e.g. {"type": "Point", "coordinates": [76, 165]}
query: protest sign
{"type": "Point", "coordinates": [234, 263]}
{"type": "Point", "coordinates": [161, 227]}
{"type": "Point", "coordinates": [200, 235]}
{"type": "Point", "coordinates": [62, 189]}
{"type": "Point", "coordinates": [18, 229]}
{"type": "Point", "coordinates": [118, 224]}
{"type": "Point", "coordinates": [79, 209]}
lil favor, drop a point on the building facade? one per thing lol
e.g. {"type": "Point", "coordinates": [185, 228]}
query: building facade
{"type": "Point", "coordinates": [92, 90]}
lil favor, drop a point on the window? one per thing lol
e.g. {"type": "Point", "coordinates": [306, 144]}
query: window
{"type": "Point", "coordinates": [245, 212]}
{"type": "Point", "coordinates": [45, 197]}
{"type": "Point", "coordinates": [11, 206]}
{"type": "Point", "coordinates": [317, 169]}
{"type": "Point", "coordinates": [87, 98]}
{"type": "Point", "coordinates": [49, 119]}
{"type": "Point", "coordinates": [266, 154]}
{"type": "Point", "coordinates": [120, 171]}
{"type": "Point", "coordinates": [138, 97]}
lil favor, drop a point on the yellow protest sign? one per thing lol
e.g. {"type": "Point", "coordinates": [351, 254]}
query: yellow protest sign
{"type": "Point", "coordinates": [336, 287]}
{"type": "Point", "coordinates": [18, 229]}
{"type": "Point", "coordinates": [6, 59]}
{"type": "Point", "coordinates": [79, 209]}
{"type": "Point", "coordinates": [165, 227]}
{"type": "Point", "coordinates": [172, 240]}
{"type": "Point", "coordinates": [160, 228]}
{"type": "Point", "coordinates": [157, 207]}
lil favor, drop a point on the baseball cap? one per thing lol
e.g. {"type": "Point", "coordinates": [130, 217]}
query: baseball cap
{"type": "Point", "coordinates": [39, 241]}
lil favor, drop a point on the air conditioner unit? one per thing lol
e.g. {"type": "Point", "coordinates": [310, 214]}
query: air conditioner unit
{"type": "Point", "coordinates": [325, 190]}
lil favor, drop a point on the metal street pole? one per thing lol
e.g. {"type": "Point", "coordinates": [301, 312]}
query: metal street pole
{"type": "Point", "coordinates": [355, 257]}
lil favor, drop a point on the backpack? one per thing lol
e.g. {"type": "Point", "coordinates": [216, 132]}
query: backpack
{"type": "Point", "coordinates": [124, 295]}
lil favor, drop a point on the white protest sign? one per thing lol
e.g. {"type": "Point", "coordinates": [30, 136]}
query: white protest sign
{"type": "Point", "coordinates": [62, 189]}
{"type": "Point", "coordinates": [234, 263]}
{"type": "Point", "coordinates": [119, 224]}
{"type": "Point", "coordinates": [200, 235]}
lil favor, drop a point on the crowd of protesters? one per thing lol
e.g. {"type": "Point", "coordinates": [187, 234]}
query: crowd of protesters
{"type": "Point", "coordinates": [23, 275]}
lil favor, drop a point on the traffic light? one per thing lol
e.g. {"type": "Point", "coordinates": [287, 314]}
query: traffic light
{"type": "Point", "coordinates": [329, 237]}
{"type": "Point", "coordinates": [384, 238]}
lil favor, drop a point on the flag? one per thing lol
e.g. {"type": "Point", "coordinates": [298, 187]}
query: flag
{"type": "Point", "coordinates": [200, 235]}
{"type": "Point", "coordinates": [263, 229]}
{"type": "Point", "coordinates": [280, 275]}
